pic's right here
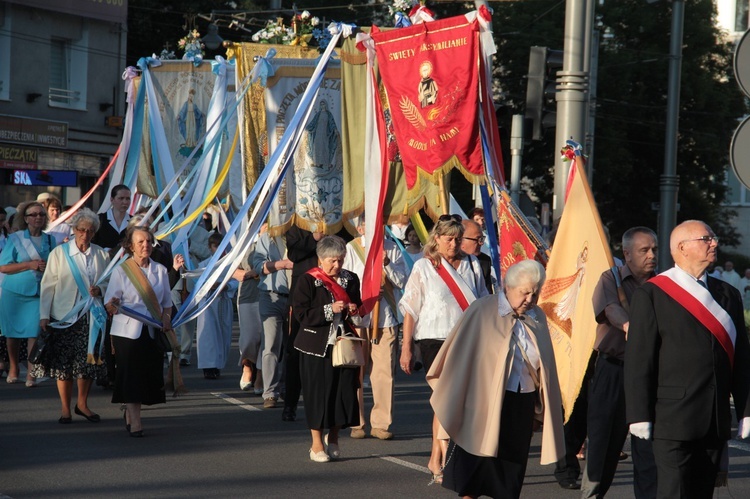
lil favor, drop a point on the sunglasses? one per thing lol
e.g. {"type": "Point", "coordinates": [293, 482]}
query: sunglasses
{"type": "Point", "coordinates": [450, 218]}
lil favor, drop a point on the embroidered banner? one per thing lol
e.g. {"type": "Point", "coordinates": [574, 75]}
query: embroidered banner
{"type": "Point", "coordinates": [184, 92]}
{"type": "Point", "coordinates": [516, 244]}
{"type": "Point", "coordinates": [311, 195]}
{"type": "Point", "coordinates": [430, 73]}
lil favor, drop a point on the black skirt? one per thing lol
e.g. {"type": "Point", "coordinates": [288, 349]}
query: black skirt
{"type": "Point", "coordinates": [330, 393]}
{"type": "Point", "coordinates": [139, 371]}
{"type": "Point", "coordinates": [501, 476]}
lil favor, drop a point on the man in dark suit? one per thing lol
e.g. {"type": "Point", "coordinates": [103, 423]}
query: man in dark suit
{"type": "Point", "coordinates": [687, 350]}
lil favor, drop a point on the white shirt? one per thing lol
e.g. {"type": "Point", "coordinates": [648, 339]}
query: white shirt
{"type": "Point", "coordinates": [431, 304]}
{"type": "Point", "coordinates": [519, 372]}
{"type": "Point", "coordinates": [395, 272]}
{"type": "Point", "coordinates": [121, 287]}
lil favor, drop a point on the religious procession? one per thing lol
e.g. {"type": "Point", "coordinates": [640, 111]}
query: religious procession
{"type": "Point", "coordinates": [301, 187]}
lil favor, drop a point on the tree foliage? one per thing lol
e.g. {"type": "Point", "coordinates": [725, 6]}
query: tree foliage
{"type": "Point", "coordinates": [628, 158]}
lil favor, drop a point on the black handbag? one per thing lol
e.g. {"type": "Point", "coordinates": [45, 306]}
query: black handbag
{"type": "Point", "coordinates": [161, 340]}
{"type": "Point", "coordinates": [41, 347]}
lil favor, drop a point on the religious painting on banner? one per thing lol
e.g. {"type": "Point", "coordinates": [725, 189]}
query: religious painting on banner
{"type": "Point", "coordinates": [184, 92]}
{"type": "Point", "coordinates": [579, 256]}
{"type": "Point", "coordinates": [430, 73]}
{"type": "Point", "coordinates": [311, 195]}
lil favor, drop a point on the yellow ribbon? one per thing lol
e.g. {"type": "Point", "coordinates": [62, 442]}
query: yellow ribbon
{"type": "Point", "coordinates": [212, 193]}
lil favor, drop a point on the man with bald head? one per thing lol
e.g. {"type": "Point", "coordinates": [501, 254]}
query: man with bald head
{"type": "Point", "coordinates": [686, 352]}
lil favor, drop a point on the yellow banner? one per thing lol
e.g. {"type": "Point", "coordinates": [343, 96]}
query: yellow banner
{"type": "Point", "coordinates": [579, 257]}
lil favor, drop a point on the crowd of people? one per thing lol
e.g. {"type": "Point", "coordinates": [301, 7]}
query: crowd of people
{"type": "Point", "coordinates": [670, 348]}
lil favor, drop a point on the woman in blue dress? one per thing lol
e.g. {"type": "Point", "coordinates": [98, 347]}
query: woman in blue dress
{"type": "Point", "coordinates": [23, 261]}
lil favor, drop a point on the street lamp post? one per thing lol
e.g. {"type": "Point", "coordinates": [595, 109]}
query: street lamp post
{"type": "Point", "coordinates": [669, 182]}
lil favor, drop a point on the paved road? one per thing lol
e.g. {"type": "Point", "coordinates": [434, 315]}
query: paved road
{"type": "Point", "coordinates": [218, 441]}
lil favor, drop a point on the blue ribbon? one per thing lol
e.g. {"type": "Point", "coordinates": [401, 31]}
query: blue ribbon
{"type": "Point", "coordinates": [98, 314]}
{"type": "Point", "coordinates": [263, 68]}
{"type": "Point", "coordinates": [405, 254]}
{"type": "Point", "coordinates": [402, 20]}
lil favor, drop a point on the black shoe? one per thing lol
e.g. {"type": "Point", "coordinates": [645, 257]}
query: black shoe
{"type": "Point", "coordinates": [417, 366]}
{"type": "Point", "coordinates": [184, 362]}
{"type": "Point", "coordinates": [94, 418]}
{"type": "Point", "coordinates": [211, 373]}
{"type": "Point", "coordinates": [569, 484]}
{"type": "Point", "coordinates": [64, 420]}
{"type": "Point", "coordinates": [289, 414]}
{"type": "Point", "coordinates": [136, 434]}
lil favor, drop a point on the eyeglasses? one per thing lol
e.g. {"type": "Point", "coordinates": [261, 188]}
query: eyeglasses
{"type": "Point", "coordinates": [85, 231]}
{"type": "Point", "coordinates": [478, 240]}
{"type": "Point", "coordinates": [36, 214]}
{"type": "Point", "coordinates": [450, 218]}
{"type": "Point", "coordinates": [705, 239]}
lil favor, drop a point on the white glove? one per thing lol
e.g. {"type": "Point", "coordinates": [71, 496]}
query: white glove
{"type": "Point", "coordinates": [743, 428]}
{"type": "Point", "coordinates": [644, 430]}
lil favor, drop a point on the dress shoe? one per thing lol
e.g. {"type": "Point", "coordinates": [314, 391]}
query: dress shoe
{"type": "Point", "coordinates": [289, 414]}
{"type": "Point", "coordinates": [270, 403]}
{"type": "Point", "coordinates": [136, 434]}
{"type": "Point", "coordinates": [358, 433]}
{"type": "Point", "coordinates": [246, 386]}
{"type": "Point", "coordinates": [381, 434]}
{"type": "Point", "coordinates": [64, 420]}
{"type": "Point", "coordinates": [211, 373]}
{"type": "Point", "coordinates": [569, 484]}
{"type": "Point", "coordinates": [93, 418]}
{"type": "Point", "coordinates": [623, 456]}
{"type": "Point", "coordinates": [332, 449]}
{"type": "Point", "coordinates": [319, 457]}
{"type": "Point", "coordinates": [184, 362]}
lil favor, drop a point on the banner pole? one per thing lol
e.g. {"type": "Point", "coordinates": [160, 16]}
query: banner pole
{"type": "Point", "coordinates": [444, 204]}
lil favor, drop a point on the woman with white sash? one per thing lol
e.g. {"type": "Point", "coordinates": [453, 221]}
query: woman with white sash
{"type": "Point", "coordinates": [441, 286]}
{"type": "Point", "coordinates": [23, 261]}
{"type": "Point", "coordinates": [73, 270]}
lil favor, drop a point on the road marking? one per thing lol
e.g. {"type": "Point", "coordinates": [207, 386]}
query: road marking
{"type": "Point", "coordinates": [405, 464]}
{"type": "Point", "coordinates": [236, 402]}
{"type": "Point", "coordinates": [739, 445]}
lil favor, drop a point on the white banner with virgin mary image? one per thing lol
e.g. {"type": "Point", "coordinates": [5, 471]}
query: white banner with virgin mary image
{"type": "Point", "coordinates": [184, 92]}
{"type": "Point", "coordinates": [311, 195]}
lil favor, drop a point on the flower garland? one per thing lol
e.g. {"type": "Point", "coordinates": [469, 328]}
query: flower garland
{"type": "Point", "coordinates": [192, 45]}
{"type": "Point", "coordinates": [275, 33]}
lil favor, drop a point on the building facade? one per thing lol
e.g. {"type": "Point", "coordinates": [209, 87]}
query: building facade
{"type": "Point", "coordinates": [61, 92]}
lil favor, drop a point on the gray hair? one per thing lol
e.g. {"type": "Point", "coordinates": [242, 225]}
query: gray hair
{"type": "Point", "coordinates": [525, 271]}
{"type": "Point", "coordinates": [629, 235]}
{"type": "Point", "coordinates": [330, 247]}
{"type": "Point", "coordinates": [84, 215]}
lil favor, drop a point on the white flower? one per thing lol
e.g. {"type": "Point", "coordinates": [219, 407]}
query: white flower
{"type": "Point", "coordinates": [256, 37]}
{"type": "Point", "coordinates": [305, 14]}
{"type": "Point", "coordinates": [314, 21]}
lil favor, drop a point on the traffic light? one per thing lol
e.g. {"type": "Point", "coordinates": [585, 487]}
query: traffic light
{"type": "Point", "coordinates": [541, 87]}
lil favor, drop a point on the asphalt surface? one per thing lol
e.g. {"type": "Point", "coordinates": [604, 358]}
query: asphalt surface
{"type": "Point", "coordinates": [218, 441]}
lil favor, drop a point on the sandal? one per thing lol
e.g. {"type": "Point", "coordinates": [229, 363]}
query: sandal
{"type": "Point", "coordinates": [437, 478]}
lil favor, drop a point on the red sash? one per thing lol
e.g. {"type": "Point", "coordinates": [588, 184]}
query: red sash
{"type": "Point", "coordinates": [339, 293]}
{"type": "Point", "coordinates": [697, 310]}
{"type": "Point", "coordinates": [455, 290]}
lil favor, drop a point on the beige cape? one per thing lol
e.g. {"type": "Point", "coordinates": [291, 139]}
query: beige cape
{"type": "Point", "coordinates": [469, 374]}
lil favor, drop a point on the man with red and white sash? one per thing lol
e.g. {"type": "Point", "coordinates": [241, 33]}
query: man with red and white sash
{"type": "Point", "coordinates": [687, 351]}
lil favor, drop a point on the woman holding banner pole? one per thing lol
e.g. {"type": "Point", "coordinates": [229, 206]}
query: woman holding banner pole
{"type": "Point", "coordinates": [441, 286]}
{"type": "Point", "coordinates": [138, 292]}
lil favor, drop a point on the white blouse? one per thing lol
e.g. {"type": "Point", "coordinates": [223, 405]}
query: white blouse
{"type": "Point", "coordinates": [431, 304]}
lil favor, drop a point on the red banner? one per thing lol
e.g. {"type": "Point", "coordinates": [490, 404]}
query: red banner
{"type": "Point", "coordinates": [430, 73]}
{"type": "Point", "coordinates": [515, 244]}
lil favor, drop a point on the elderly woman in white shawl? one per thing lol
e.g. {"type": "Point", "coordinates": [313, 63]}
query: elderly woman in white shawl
{"type": "Point", "coordinates": [500, 385]}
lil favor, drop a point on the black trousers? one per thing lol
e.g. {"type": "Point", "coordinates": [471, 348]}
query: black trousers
{"type": "Point", "coordinates": [644, 468]}
{"type": "Point", "coordinates": [607, 426]}
{"type": "Point", "coordinates": [292, 381]}
{"type": "Point", "coordinates": [687, 470]}
{"type": "Point", "coordinates": [568, 467]}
